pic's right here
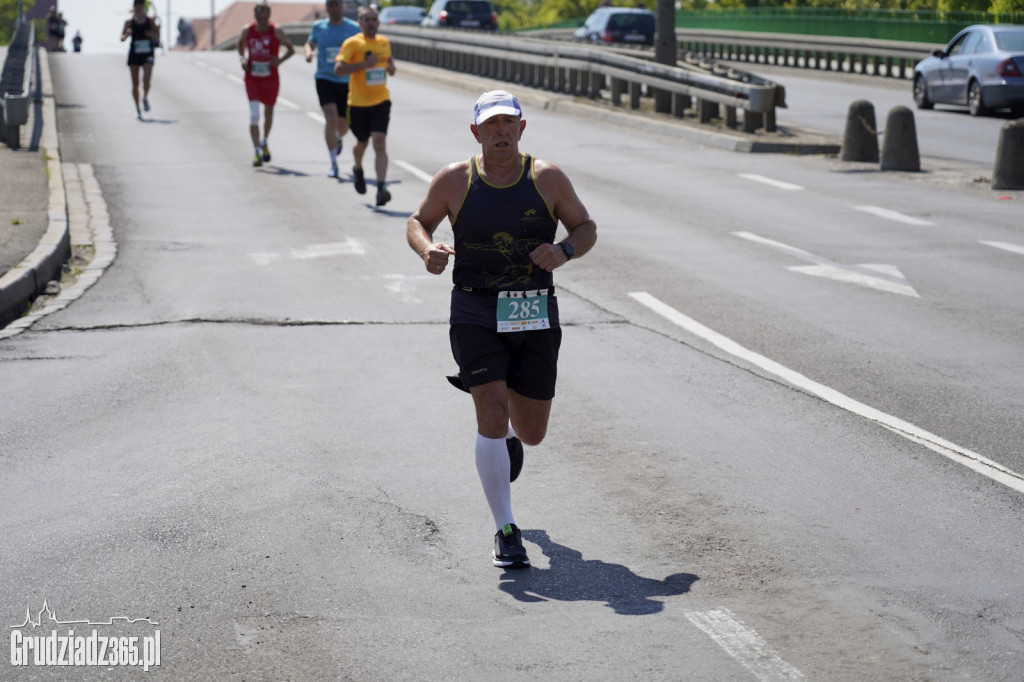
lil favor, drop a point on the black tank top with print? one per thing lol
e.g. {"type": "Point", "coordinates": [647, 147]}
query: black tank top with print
{"type": "Point", "coordinates": [495, 230]}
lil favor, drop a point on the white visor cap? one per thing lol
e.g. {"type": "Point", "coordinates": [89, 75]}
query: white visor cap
{"type": "Point", "coordinates": [493, 103]}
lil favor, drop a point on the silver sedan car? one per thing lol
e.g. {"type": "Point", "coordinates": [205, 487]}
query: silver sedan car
{"type": "Point", "coordinates": [982, 68]}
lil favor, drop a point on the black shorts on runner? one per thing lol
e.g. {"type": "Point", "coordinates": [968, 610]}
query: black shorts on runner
{"type": "Point", "coordinates": [332, 92]}
{"type": "Point", "coordinates": [140, 59]}
{"type": "Point", "coordinates": [365, 120]}
{"type": "Point", "coordinates": [526, 361]}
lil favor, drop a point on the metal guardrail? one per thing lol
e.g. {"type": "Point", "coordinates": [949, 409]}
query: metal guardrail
{"type": "Point", "coordinates": [868, 56]}
{"type": "Point", "coordinates": [886, 58]}
{"type": "Point", "coordinates": [15, 84]}
{"type": "Point", "coordinates": [587, 71]}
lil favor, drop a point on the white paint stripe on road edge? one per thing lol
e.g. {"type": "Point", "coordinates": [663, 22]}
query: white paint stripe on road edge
{"type": "Point", "coordinates": [1005, 246]}
{"type": "Point", "coordinates": [87, 212]}
{"type": "Point", "coordinates": [779, 184]}
{"type": "Point", "coordinates": [972, 460]}
{"type": "Point", "coordinates": [743, 644]}
{"type": "Point", "coordinates": [409, 168]}
{"type": "Point", "coordinates": [893, 215]}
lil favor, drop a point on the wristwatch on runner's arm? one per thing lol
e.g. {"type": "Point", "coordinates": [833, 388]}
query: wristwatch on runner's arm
{"type": "Point", "coordinates": [567, 248]}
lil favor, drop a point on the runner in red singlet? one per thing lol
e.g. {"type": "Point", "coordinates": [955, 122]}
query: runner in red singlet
{"type": "Point", "coordinates": [263, 41]}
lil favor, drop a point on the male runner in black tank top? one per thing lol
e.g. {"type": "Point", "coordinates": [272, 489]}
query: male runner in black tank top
{"type": "Point", "coordinates": [504, 208]}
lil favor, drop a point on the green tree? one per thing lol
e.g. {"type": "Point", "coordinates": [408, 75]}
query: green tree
{"type": "Point", "coordinates": [9, 18]}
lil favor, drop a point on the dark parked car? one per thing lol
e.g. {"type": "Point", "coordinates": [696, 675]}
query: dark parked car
{"type": "Point", "coordinates": [402, 14]}
{"type": "Point", "coordinates": [475, 14]}
{"type": "Point", "coordinates": [982, 68]}
{"type": "Point", "coordinates": [618, 25]}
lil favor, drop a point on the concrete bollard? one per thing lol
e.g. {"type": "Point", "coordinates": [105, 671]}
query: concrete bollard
{"type": "Point", "coordinates": [899, 145]}
{"type": "Point", "coordinates": [1009, 168]}
{"type": "Point", "coordinates": [860, 140]}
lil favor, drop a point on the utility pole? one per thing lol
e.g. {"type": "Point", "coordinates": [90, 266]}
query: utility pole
{"type": "Point", "coordinates": [665, 49]}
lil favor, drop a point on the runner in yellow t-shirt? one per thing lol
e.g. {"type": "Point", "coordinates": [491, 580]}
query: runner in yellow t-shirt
{"type": "Point", "coordinates": [366, 59]}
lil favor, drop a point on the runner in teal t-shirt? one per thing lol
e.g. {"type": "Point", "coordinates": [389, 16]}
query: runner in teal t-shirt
{"type": "Point", "coordinates": [325, 39]}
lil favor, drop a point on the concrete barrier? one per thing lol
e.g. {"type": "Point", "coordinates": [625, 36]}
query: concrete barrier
{"type": "Point", "coordinates": [1009, 168]}
{"type": "Point", "coordinates": [860, 139]}
{"type": "Point", "coordinates": [15, 84]}
{"type": "Point", "coordinates": [899, 144]}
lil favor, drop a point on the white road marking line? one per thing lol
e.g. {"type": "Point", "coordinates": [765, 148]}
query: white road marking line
{"type": "Point", "coordinates": [893, 215]}
{"type": "Point", "coordinates": [349, 247]}
{"type": "Point", "coordinates": [892, 280]}
{"type": "Point", "coordinates": [1006, 246]}
{"type": "Point", "coordinates": [972, 460]}
{"type": "Point", "coordinates": [288, 103]}
{"type": "Point", "coordinates": [316, 116]}
{"type": "Point", "coordinates": [409, 168]}
{"type": "Point", "coordinates": [779, 184]}
{"type": "Point", "coordinates": [743, 644]}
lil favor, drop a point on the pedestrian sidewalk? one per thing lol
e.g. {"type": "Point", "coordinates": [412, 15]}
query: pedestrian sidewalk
{"type": "Point", "coordinates": [34, 239]}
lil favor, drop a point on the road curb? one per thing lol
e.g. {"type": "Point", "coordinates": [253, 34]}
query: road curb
{"type": "Point", "coordinates": [26, 280]}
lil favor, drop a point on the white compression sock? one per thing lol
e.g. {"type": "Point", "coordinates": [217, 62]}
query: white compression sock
{"type": "Point", "coordinates": [492, 465]}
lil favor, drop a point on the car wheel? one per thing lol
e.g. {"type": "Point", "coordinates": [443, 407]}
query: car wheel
{"type": "Point", "coordinates": [921, 98]}
{"type": "Point", "coordinates": [975, 104]}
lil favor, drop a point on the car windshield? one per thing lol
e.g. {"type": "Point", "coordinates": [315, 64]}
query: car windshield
{"type": "Point", "coordinates": [468, 6]}
{"type": "Point", "coordinates": [631, 22]}
{"type": "Point", "coordinates": [1010, 41]}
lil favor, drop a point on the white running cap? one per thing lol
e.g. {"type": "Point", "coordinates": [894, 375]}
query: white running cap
{"type": "Point", "coordinates": [493, 103]}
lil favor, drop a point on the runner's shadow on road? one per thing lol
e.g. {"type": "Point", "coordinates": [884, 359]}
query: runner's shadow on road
{"type": "Point", "coordinates": [573, 578]}
{"type": "Point", "coordinates": [277, 170]}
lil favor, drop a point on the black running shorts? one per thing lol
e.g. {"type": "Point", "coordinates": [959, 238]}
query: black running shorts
{"type": "Point", "coordinates": [332, 92]}
{"type": "Point", "coordinates": [365, 120]}
{"type": "Point", "coordinates": [526, 361]}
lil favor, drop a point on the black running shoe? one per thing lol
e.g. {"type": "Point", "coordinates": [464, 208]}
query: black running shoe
{"type": "Point", "coordinates": [383, 196]}
{"type": "Point", "coordinates": [358, 180]}
{"type": "Point", "coordinates": [515, 457]}
{"type": "Point", "coordinates": [508, 548]}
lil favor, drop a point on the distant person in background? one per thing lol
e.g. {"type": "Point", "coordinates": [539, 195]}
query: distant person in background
{"type": "Point", "coordinates": [263, 41]}
{"type": "Point", "coordinates": [325, 39]}
{"type": "Point", "coordinates": [144, 35]}
{"type": "Point", "coordinates": [53, 25]}
{"type": "Point", "coordinates": [61, 28]}
{"type": "Point", "coordinates": [76, 42]}
{"type": "Point", "coordinates": [366, 57]}
{"type": "Point", "coordinates": [186, 35]}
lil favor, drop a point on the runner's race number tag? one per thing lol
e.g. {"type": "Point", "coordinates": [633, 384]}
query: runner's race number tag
{"type": "Point", "coordinates": [143, 47]}
{"type": "Point", "coordinates": [520, 311]}
{"type": "Point", "coordinates": [261, 69]}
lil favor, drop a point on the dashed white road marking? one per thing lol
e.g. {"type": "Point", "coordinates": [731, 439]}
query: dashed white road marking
{"type": "Point", "coordinates": [872, 275]}
{"type": "Point", "coordinates": [894, 215]}
{"type": "Point", "coordinates": [743, 644]}
{"type": "Point", "coordinates": [413, 170]}
{"type": "Point", "coordinates": [961, 455]}
{"type": "Point", "coordinates": [778, 184]}
{"type": "Point", "coordinates": [1005, 246]}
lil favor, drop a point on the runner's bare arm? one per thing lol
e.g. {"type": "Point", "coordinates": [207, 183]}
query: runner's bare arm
{"type": "Point", "coordinates": [557, 189]}
{"type": "Point", "coordinates": [442, 200]}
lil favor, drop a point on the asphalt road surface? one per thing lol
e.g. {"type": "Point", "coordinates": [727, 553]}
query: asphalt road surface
{"type": "Point", "coordinates": [786, 442]}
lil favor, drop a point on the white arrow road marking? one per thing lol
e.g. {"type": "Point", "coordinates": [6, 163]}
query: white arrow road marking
{"type": "Point", "coordinates": [743, 644]}
{"type": "Point", "coordinates": [779, 184]}
{"type": "Point", "coordinates": [881, 277]}
{"type": "Point", "coordinates": [1005, 246]}
{"type": "Point", "coordinates": [349, 247]}
{"type": "Point", "coordinates": [972, 460]}
{"type": "Point", "coordinates": [893, 215]}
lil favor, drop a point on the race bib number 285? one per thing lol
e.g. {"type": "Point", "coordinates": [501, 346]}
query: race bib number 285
{"type": "Point", "coordinates": [520, 311]}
